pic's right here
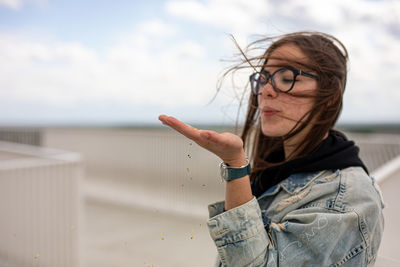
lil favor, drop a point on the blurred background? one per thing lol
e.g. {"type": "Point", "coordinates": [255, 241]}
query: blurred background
{"type": "Point", "coordinates": [89, 177]}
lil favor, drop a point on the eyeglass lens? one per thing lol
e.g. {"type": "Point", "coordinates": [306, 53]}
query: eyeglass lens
{"type": "Point", "coordinates": [282, 80]}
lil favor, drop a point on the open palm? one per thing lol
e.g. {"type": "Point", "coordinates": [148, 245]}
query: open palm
{"type": "Point", "coordinates": [227, 146]}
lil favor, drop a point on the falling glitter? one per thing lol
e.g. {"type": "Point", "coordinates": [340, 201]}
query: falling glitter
{"type": "Point", "coordinates": [189, 156]}
{"type": "Point", "coordinates": [187, 169]}
{"type": "Point", "coordinates": [37, 256]}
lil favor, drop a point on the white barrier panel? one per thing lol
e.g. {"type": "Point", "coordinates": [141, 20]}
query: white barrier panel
{"type": "Point", "coordinates": [388, 178]}
{"type": "Point", "coordinates": [40, 206]}
{"type": "Point", "coordinates": [381, 153]}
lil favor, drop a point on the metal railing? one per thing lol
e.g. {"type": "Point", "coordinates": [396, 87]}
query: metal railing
{"type": "Point", "coordinates": [377, 149]}
{"type": "Point", "coordinates": [22, 135]}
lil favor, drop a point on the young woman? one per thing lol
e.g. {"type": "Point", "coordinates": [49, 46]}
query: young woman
{"type": "Point", "coordinates": [307, 199]}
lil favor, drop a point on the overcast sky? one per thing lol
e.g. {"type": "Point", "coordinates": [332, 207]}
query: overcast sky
{"type": "Point", "coordinates": [79, 62]}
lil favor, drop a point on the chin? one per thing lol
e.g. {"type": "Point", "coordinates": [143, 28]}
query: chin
{"type": "Point", "coordinates": [273, 133]}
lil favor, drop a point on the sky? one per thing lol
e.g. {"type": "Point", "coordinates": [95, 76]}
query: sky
{"type": "Point", "coordinates": [126, 62]}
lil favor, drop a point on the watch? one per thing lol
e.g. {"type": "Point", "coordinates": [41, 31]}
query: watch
{"type": "Point", "coordinates": [229, 173]}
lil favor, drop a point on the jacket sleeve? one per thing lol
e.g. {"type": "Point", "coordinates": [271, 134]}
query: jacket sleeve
{"type": "Point", "coordinates": [306, 237]}
{"type": "Point", "coordinates": [239, 234]}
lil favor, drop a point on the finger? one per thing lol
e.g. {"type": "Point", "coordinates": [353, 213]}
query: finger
{"type": "Point", "coordinates": [181, 127]}
{"type": "Point", "coordinates": [163, 119]}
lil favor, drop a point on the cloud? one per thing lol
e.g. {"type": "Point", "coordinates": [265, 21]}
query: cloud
{"type": "Point", "coordinates": [134, 71]}
{"type": "Point", "coordinates": [18, 4]}
{"type": "Point", "coordinates": [156, 28]}
{"type": "Point", "coordinates": [13, 4]}
{"type": "Point", "coordinates": [234, 16]}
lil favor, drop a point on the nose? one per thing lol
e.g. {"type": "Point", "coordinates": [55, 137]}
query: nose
{"type": "Point", "coordinates": [268, 90]}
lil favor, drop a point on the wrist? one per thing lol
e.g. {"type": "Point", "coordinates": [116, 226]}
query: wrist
{"type": "Point", "coordinates": [236, 161]}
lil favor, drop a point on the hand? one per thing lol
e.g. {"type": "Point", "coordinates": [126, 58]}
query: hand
{"type": "Point", "coordinates": [227, 146]}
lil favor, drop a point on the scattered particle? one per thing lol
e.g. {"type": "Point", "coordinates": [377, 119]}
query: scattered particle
{"type": "Point", "coordinates": [192, 237]}
{"type": "Point", "coordinates": [15, 235]}
{"type": "Point", "coordinates": [192, 230]}
{"type": "Point", "coordinates": [190, 144]}
{"type": "Point", "coordinates": [102, 249]}
{"type": "Point", "coordinates": [189, 156]}
{"type": "Point", "coordinates": [182, 185]}
{"type": "Point", "coordinates": [187, 169]}
{"type": "Point", "coordinates": [204, 184]}
{"type": "Point", "coordinates": [126, 243]}
{"type": "Point", "coordinates": [191, 178]}
{"type": "Point", "coordinates": [72, 227]}
{"type": "Point", "coordinates": [161, 234]}
{"type": "Point", "coordinates": [37, 256]}
{"type": "Point", "coordinates": [162, 238]}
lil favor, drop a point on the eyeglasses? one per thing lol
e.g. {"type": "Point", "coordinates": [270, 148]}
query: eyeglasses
{"type": "Point", "coordinates": [282, 80]}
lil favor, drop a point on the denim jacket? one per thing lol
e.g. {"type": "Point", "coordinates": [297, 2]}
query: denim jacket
{"type": "Point", "coordinates": [327, 218]}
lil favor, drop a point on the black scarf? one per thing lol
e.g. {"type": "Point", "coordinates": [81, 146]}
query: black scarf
{"type": "Point", "coordinates": [334, 152]}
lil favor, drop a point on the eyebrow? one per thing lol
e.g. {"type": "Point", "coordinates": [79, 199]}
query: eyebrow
{"type": "Point", "coordinates": [275, 68]}
{"type": "Point", "coordinates": [271, 68]}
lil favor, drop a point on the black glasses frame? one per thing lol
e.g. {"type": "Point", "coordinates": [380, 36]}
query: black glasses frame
{"type": "Point", "coordinates": [296, 72]}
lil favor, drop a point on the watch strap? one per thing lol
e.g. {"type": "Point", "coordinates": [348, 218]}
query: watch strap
{"type": "Point", "coordinates": [232, 173]}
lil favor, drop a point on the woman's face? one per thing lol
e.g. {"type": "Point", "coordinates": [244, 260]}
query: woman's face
{"type": "Point", "coordinates": [279, 111]}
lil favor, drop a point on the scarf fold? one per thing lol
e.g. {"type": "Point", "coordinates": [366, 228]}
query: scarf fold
{"type": "Point", "coordinates": [334, 152]}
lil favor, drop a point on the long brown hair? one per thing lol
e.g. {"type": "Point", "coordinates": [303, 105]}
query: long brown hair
{"type": "Point", "coordinates": [327, 57]}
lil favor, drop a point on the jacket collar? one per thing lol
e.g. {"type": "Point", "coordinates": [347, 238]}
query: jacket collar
{"type": "Point", "coordinates": [294, 183]}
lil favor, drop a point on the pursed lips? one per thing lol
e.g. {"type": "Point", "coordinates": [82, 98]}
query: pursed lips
{"type": "Point", "coordinates": [268, 111]}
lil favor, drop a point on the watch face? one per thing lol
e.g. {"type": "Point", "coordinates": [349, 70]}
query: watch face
{"type": "Point", "coordinates": [224, 172]}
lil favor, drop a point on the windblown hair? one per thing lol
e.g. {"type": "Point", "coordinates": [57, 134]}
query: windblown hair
{"type": "Point", "coordinates": [327, 57]}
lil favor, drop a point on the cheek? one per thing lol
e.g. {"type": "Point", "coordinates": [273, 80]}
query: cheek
{"type": "Point", "coordinates": [297, 102]}
{"type": "Point", "coordinates": [297, 107]}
